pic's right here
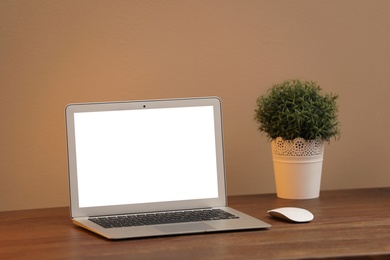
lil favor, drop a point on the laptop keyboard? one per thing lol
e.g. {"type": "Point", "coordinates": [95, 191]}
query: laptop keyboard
{"type": "Point", "coordinates": [162, 218]}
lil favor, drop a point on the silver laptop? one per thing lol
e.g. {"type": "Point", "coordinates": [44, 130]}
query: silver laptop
{"type": "Point", "coordinates": [149, 168]}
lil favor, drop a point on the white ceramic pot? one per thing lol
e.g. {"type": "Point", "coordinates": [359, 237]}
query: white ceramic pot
{"type": "Point", "coordinates": [297, 168]}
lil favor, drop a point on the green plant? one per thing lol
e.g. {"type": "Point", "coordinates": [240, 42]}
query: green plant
{"type": "Point", "coordinates": [296, 108]}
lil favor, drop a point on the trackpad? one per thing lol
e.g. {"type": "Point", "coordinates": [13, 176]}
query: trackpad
{"type": "Point", "coordinates": [183, 228]}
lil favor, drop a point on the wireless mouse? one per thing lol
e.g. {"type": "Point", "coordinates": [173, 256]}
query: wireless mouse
{"type": "Point", "coordinates": [292, 214]}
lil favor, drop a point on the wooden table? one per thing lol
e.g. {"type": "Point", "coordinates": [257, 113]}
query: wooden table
{"type": "Point", "coordinates": [347, 223]}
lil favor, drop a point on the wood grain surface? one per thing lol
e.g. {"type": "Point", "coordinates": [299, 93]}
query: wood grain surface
{"type": "Point", "coordinates": [347, 223]}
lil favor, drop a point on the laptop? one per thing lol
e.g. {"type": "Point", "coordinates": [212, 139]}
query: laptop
{"type": "Point", "coordinates": [149, 168]}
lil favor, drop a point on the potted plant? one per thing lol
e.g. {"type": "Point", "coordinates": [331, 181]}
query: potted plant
{"type": "Point", "coordinates": [297, 119]}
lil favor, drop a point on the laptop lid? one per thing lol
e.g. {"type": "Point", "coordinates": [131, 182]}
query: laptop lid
{"type": "Point", "coordinates": [143, 156]}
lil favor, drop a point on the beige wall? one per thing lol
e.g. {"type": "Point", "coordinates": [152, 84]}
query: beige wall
{"type": "Point", "coordinates": [56, 52]}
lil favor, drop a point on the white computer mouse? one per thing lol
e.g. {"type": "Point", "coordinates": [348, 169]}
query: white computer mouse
{"type": "Point", "coordinates": [292, 214]}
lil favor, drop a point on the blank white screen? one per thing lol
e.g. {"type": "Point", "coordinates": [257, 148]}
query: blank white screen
{"type": "Point", "coordinates": [147, 155]}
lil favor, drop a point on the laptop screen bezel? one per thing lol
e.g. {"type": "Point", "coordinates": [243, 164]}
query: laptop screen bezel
{"type": "Point", "coordinates": [77, 211]}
